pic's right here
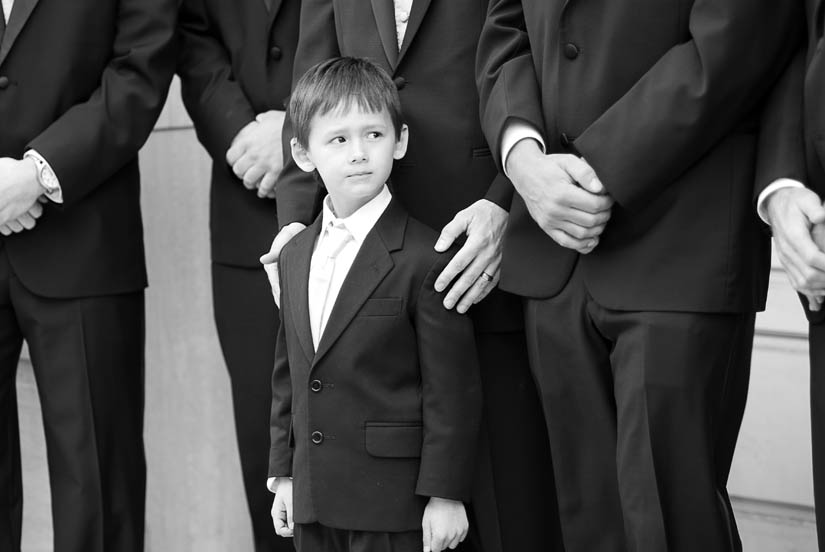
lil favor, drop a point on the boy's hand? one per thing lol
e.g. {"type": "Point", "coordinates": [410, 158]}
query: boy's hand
{"type": "Point", "coordinates": [282, 508]}
{"type": "Point", "coordinates": [444, 524]}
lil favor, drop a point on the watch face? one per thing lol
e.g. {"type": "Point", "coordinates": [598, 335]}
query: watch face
{"type": "Point", "coordinates": [48, 180]}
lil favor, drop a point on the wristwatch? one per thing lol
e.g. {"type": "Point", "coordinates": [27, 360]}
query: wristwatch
{"type": "Point", "coordinates": [45, 175]}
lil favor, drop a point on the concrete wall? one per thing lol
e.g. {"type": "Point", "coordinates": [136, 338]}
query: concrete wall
{"type": "Point", "coordinates": [195, 500]}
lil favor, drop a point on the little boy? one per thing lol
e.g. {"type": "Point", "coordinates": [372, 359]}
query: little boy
{"type": "Point", "coordinates": [376, 394]}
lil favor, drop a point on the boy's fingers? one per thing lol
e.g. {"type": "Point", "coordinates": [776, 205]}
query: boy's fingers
{"type": "Point", "coordinates": [289, 522]}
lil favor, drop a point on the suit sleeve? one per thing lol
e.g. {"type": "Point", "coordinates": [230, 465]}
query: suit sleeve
{"type": "Point", "coordinates": [93, 140]}
{"type": "Point", "coordinates": [212, 96]}
{"type": "Point", "coordinates": [280, 421]}
{"type": "Point", "coordinates": [297, 193]}
{"type": "Point", "coordinates": [506, 79]}
{"type": "Point", "coordinates": [451, 394]}
{"type": "Point", "coordinates": [781, 138]}
{"type": "Point", "coordinates": [691, 98]}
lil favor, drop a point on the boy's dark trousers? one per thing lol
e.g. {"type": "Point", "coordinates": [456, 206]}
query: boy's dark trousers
{"type": "Point", "coordinates": [314, 537]}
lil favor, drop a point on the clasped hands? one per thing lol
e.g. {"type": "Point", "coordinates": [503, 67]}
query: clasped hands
{"type": "Point", "coordinates": [797, 218]}
{"type": "Point", "coordinates": [20, 195]}
{"type": "Point", "coordinates": [562, 194]}
{"type": "Point", "coordinates": [256, 156]}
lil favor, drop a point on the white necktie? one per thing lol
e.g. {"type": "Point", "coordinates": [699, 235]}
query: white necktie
{"type": "Point", "coordinates": [320, 277]}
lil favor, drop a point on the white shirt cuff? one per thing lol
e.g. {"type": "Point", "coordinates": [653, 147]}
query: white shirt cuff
{"type": "Point", "coordinates": [775, 185]}
{"type": "Point", "coordinates": [39, 160]}
{"type": "Point", "coordinates": [515, 131]}
{"type": "Point", "coordinates": [272, 484]}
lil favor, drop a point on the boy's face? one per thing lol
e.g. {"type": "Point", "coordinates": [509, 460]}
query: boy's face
{"type": "Point", "coordinates": [353, 151]}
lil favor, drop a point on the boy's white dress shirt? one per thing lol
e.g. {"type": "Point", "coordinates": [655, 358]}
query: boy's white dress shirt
{"type": "Point", "coordinates": [322, 290]}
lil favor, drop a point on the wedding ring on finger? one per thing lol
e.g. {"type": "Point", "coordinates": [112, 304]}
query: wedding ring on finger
{"type": "Point", "coordinates": [485, 278]}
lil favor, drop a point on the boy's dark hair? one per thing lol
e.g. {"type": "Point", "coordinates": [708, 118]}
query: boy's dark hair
{"type": "Point", "coordinates": [342, 81]}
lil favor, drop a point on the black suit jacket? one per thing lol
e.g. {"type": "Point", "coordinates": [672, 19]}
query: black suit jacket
{"type": "Point", "coordinates": [660, 98]}
{"type": "Point", "coordinates": [235, 62]}
{"type": "Point", "coordinates": [448, 165]}
{"type": "Point", "coordinates": [393, 387]}
{"type": "Point", "coordinates": [82, 83]}
{"type": "Point", "coordinates": [792, 144]}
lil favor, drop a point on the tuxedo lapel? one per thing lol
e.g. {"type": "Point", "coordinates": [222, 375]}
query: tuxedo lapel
{"type": "Point", "coordinates": [370, 267]}
{"type": "Point", "coordinates": [19, 15]}
{"type": "Point", "coordinates": [417, 13]}
{"type": "Point", "coordinates": [297, 280]}
{"type": "Point", "coordinates": [383, 11]}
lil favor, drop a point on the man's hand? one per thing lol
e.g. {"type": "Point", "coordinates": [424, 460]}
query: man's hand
{"type": "Point", "coordinates": [19, 190]}
{"type": "Point", "coordinates": [282, 508]}
{"type": "Point", "coordinates": [255, 154]}
{"type": "Point", "coordinates": [270, 260]}
{"type": "Point", "coordinates": [478, 259]}
{"type": "Point", "coordinates": [793, 213]}
{"type": "Point", "coordinates": [562, 194]}
{"type": "Point", "coordinates": [444, 524]}
{"type": "Point", "coordinates": [26, 221]}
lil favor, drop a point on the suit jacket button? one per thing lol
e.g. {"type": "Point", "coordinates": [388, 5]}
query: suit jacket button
{"type": "Point", "coordinates": [400, 82]}
{"type": "Point", "coordinates": [317, 437]}
{"type": "Point", "coordinates": [571, 51]}
{"type": "Point", "coordinates": [275, 53]}
{"type": "Point", "coordinates": [315, 386]}
{"type": "Point", "coordinates": [4, 83]}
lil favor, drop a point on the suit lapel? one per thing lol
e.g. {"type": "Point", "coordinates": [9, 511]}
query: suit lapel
{"type": "Point", "coordinates": [298, 284]}
{"type": "Point", "coordinates": [273, 11]}
{"type": "Point", "coordinates": [384, 13]}
{"type": "Point", "coordinates": [419, 10]}
{"type": "Point", "coordinates": [19, 15]}
{"type": "Point", "coordinates": [371, 266]}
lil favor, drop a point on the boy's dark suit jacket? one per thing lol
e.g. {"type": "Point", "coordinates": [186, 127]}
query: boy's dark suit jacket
{"type": "Point", "coordinates": [660, 98]}
{"type": "Point", "coordinates": [235, 62]}
{"type": "Point", "coordinates": [82, 83]}
{"type": "Point", "coordinates": [386, 412]}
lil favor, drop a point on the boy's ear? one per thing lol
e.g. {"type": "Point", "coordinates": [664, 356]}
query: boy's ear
{"type": "Point", "coordinates": [401, 143]}
{"type": "Point", "coordinates": [301, 156]}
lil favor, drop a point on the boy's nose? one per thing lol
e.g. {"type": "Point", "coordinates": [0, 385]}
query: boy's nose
{"type": "Point", "coordinates": [358, 153]}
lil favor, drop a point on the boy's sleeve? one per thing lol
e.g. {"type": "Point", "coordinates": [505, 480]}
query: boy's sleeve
{"type": "Point", "coordinates": [451, 390]}
{"type": "Point", "coordinates": [280, 421]}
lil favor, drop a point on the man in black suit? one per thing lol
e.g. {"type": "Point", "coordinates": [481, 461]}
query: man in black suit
{"type": "Point", "coordinates": [448, 180]}
{"type": "Point", "coordinates": [790, 184]}
{"type": "Point", "coordinates": [235, 64]}
{"type": "Point", "coordinates": [627, 129]}
{"type": "Point", "coordinates": [81, 85]}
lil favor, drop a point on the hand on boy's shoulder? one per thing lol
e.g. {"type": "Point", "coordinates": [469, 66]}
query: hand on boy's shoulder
{"type": "Point", "coordinates": [270, 259]}
{"type": "Point", "coordinates": [444, 524]}
{"type": "Point", "coordinates": [474, 270]}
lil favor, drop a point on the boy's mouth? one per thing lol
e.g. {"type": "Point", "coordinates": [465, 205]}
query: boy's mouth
{"type": "Point", "coordinates": [359, 174]}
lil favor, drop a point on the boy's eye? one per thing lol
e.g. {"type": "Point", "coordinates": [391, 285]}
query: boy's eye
{"type": "Point", "coordinates": [374, 135]}
{"type": "Point", "coordinates": [338, 140]}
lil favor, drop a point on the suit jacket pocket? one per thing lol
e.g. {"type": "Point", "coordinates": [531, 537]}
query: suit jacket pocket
{"type": "Point", "coordinates": [382, 306]}
{"type": "Point", "coordinates": [394, 439]}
